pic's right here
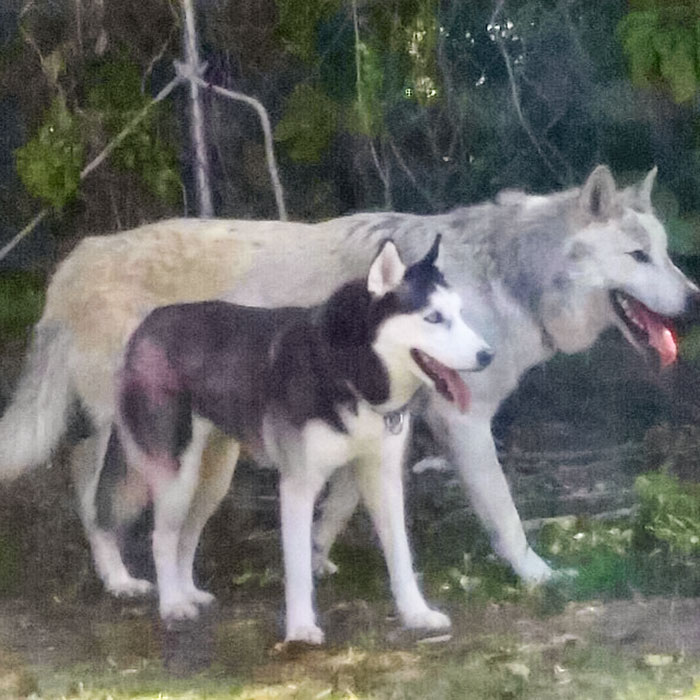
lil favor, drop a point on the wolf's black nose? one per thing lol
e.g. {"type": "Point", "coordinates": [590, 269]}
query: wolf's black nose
{"type": "Point", "coordinates": [484, 357]}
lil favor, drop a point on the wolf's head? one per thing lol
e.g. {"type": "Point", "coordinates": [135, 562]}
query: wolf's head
{"type": "Point", "coordinates": [419, 332]}
{"type": "Point", "coordinates": [613, 269]}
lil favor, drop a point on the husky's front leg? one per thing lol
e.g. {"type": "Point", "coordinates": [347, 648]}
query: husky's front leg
{"type": "Point", "coordinates": [298, 492]}
{"type": "Point", "coordinates": [473, 451]}
{"type": "Point", "coordinates": [379, 477]}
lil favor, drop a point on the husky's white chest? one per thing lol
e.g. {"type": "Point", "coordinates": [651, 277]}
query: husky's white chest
{"type": "Point", "coordinates": [321, 448]}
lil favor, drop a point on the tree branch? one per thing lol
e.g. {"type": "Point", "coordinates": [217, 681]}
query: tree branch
{"type": "Point", "coordinates": [267, 133]}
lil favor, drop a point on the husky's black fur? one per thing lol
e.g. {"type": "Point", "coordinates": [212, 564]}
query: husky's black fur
{"type": "Point", "coordinates": [234, 364]}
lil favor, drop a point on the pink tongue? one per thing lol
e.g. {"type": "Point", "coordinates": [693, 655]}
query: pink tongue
{"type": "Point", "coordinates": [660, 336]}
{"type": "Point", "coordinates": [457, 388]}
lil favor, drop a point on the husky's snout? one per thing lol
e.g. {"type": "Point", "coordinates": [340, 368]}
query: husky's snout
{"type": "Point", "coordinates": [484, 358]}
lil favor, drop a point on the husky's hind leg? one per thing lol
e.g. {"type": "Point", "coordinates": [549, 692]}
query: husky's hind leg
{"type": "Point", "coordinates": [218, 464]}
{"type": "Point", "coordinates": [87, 459]}
{"type": "Point", "coordinates": [379, 477]}
{"type": "Point", "coordinates": [336, 510]}
{"type": "Point", "coordinates": [174, 488]}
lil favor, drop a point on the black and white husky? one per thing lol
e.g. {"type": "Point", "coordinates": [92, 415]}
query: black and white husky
{"type": "Point", "coordinates": [307, 390]}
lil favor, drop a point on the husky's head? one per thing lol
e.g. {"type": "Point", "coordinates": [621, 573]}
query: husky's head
{"type": "Point", "coordinates": [613, 269]}
{"type": "Point", "coordinates": [420, 333]}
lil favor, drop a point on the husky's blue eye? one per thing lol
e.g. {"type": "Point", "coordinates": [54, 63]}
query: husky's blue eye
{"type": "Point", "coordinates": [640, 256]}
{"type": "Point", "coordinates": [434, 317]}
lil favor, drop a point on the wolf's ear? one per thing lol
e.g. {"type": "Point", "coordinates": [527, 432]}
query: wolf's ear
{"type": "Point", "coordinates": [386, 271]}
{"type": "Point", "coordinates": [598, 195]}
{"type": "Point", "coordinates": [638, 197]}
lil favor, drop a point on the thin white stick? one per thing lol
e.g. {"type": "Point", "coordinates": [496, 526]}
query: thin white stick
{"type": "Point", "coordinates": [201, 165]}
{"type": "Point", "coordinates": [267, 133]}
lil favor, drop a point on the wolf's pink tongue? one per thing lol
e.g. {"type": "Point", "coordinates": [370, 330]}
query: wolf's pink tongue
{"type": "Point", "coordinates": [660, 335]}
{"type": "Point", "coordinates": [457, 388]}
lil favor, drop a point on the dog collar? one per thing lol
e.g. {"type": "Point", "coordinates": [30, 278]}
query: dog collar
{"type": "Point", "coordinates": [393, 421]}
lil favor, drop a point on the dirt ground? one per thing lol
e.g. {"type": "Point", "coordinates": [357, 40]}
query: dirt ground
{"type": "Point", "coordinates": [111, 649]}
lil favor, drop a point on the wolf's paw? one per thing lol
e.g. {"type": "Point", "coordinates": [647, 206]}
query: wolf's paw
{"type": "Point", "coordinates": [436, 463]}
{"type": "Point", "coordinates": [323, 566]}
{"type": "Point", "coordinates": [178, 610]}
{"type": "Point", "coordinates": [129, 587]}
{"type": "Point", "coordinates": [426, 619]}
{"type": "Point", "coordinates": [532, 569]}
{"type": "Point", "coordinates": [310, 634]}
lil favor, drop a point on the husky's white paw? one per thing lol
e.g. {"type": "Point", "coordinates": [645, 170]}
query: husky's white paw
{"type": "Point", "coordinates": [129, 587]}
{"type": "Point", "coordinates": [311, 634]}
{"type": "Point", "coordinates": [200, 597]}
{"type": "Point", "coordinates": [323, 566]}
{"type": "Point", "coordinates": [178, 610]}
{"type": "Point", "coordinates": [532, 569]}
{"type": "Point", "coordinates": [426, 619]}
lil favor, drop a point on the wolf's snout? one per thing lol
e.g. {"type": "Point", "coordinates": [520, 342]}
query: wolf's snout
{"type": "Point", "coordinates": [690, 314]}
{"type": "Point", "coordinates": [484, 357]}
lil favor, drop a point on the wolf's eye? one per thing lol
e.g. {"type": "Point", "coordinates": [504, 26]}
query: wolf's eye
{"type": "Point", "coordinates": [434, 317]}
{"type": "Point", "coordinates": [640, 256]}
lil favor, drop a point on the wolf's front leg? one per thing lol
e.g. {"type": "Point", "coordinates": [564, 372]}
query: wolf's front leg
{"type": "Point", "coordinates": [473, 451]}
{"type": "Point", "coordinates": [379, 478]}
{"type": "Point", "coordinates": [297, 496]}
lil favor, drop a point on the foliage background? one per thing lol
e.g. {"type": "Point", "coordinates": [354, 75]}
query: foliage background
{"type": "Point", "coordinates": [411, 104]}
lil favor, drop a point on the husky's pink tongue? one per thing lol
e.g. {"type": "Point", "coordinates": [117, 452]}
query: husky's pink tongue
{"type": "Point", "coordinates": [447, 380]}
{"type": "Point", "coordinates": [660, 335]}
{"type": "Point", "coordinates": [456, 387]}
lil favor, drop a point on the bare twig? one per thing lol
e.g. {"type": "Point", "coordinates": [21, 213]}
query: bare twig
{"type": "Point", "coordinates": [96, 162]}
{"type": "Point", "coordinates": [383, 175]}
{"type": "Point", "coordinates": [194, 70]}
{"type": "Point", "coordinates": [24, 232]}
{"type": "Point", "coordinates": [515, 95]}
{"type": "Point", "coordinates": [128, 128]}
{"type": "Point", "coordinates": [267, 133]}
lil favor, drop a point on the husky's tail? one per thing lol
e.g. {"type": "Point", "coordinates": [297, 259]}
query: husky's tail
{"type": "Point", "coordinates": [36, 418]}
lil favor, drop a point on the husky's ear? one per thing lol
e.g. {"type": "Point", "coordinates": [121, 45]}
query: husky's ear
{"type": "Point", "coordinates": [434, 255]}
{"type": "Point", "coordinates": [598, 197]}
{"type": "Point", "coordinates": [386, 271]}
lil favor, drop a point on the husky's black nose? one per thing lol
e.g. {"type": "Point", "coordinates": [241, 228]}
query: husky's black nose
{"type": "Point", "coordinates": [690, 315]}
{"type": "Point", "coordinates": [484, 357]}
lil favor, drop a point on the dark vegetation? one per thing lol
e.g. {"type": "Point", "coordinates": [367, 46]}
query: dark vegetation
{"type": "Point", "coordinates": [418, 106]}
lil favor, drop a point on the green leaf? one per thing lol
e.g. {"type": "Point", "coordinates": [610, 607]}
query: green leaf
{"type": "Point", "coordinates": [308, 123]}
{"type": "Point", "coordinates": [49, 164]}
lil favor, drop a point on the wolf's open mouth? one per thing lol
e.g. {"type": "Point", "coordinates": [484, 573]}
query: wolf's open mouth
{"type": "Point", "coordinates": [447, 381]}
{"type": "Point", "coordinates": [645, 327]}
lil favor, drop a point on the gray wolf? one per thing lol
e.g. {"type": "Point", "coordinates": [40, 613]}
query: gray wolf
{"type": "Point", "coordinates": [539, 275]}
{"type": "Point", "coordinates": [305, 389]}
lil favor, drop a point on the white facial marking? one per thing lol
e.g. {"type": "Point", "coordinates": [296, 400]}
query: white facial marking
{"type": "Point", "coordinates": [450, 341]}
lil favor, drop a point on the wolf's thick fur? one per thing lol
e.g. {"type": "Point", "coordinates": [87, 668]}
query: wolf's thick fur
{"type": "Point", "coordinates": [535, 272]}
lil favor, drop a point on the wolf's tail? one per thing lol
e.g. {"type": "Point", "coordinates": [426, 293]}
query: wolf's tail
{"type": "Point", "coordinates": [37, 416]}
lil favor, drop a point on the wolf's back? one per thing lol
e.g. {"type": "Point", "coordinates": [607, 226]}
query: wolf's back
{"type": "Point", "coordinates": [36, 418]}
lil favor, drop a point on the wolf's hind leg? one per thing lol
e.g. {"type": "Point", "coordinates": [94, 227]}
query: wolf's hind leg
{"type": "Point", "coordinates": [336, 510]}
{"type": "Point", "coordinates": [173, 493]}
{"type": "Point", "coordinates": [86, 459]}
{"type": "Point", "coordinates": [218, 464]}
{"type": "Point", "coordinates": [381, 486]}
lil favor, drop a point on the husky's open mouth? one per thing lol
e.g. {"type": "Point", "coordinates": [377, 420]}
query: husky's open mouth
{"type": "Point", "coordinates": [644, 327]}
{"type": "Point", "coordinates": [447, 381]}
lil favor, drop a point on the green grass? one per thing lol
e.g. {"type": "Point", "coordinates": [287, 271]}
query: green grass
{"type": "Point", "coordinates": [21, 301]}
